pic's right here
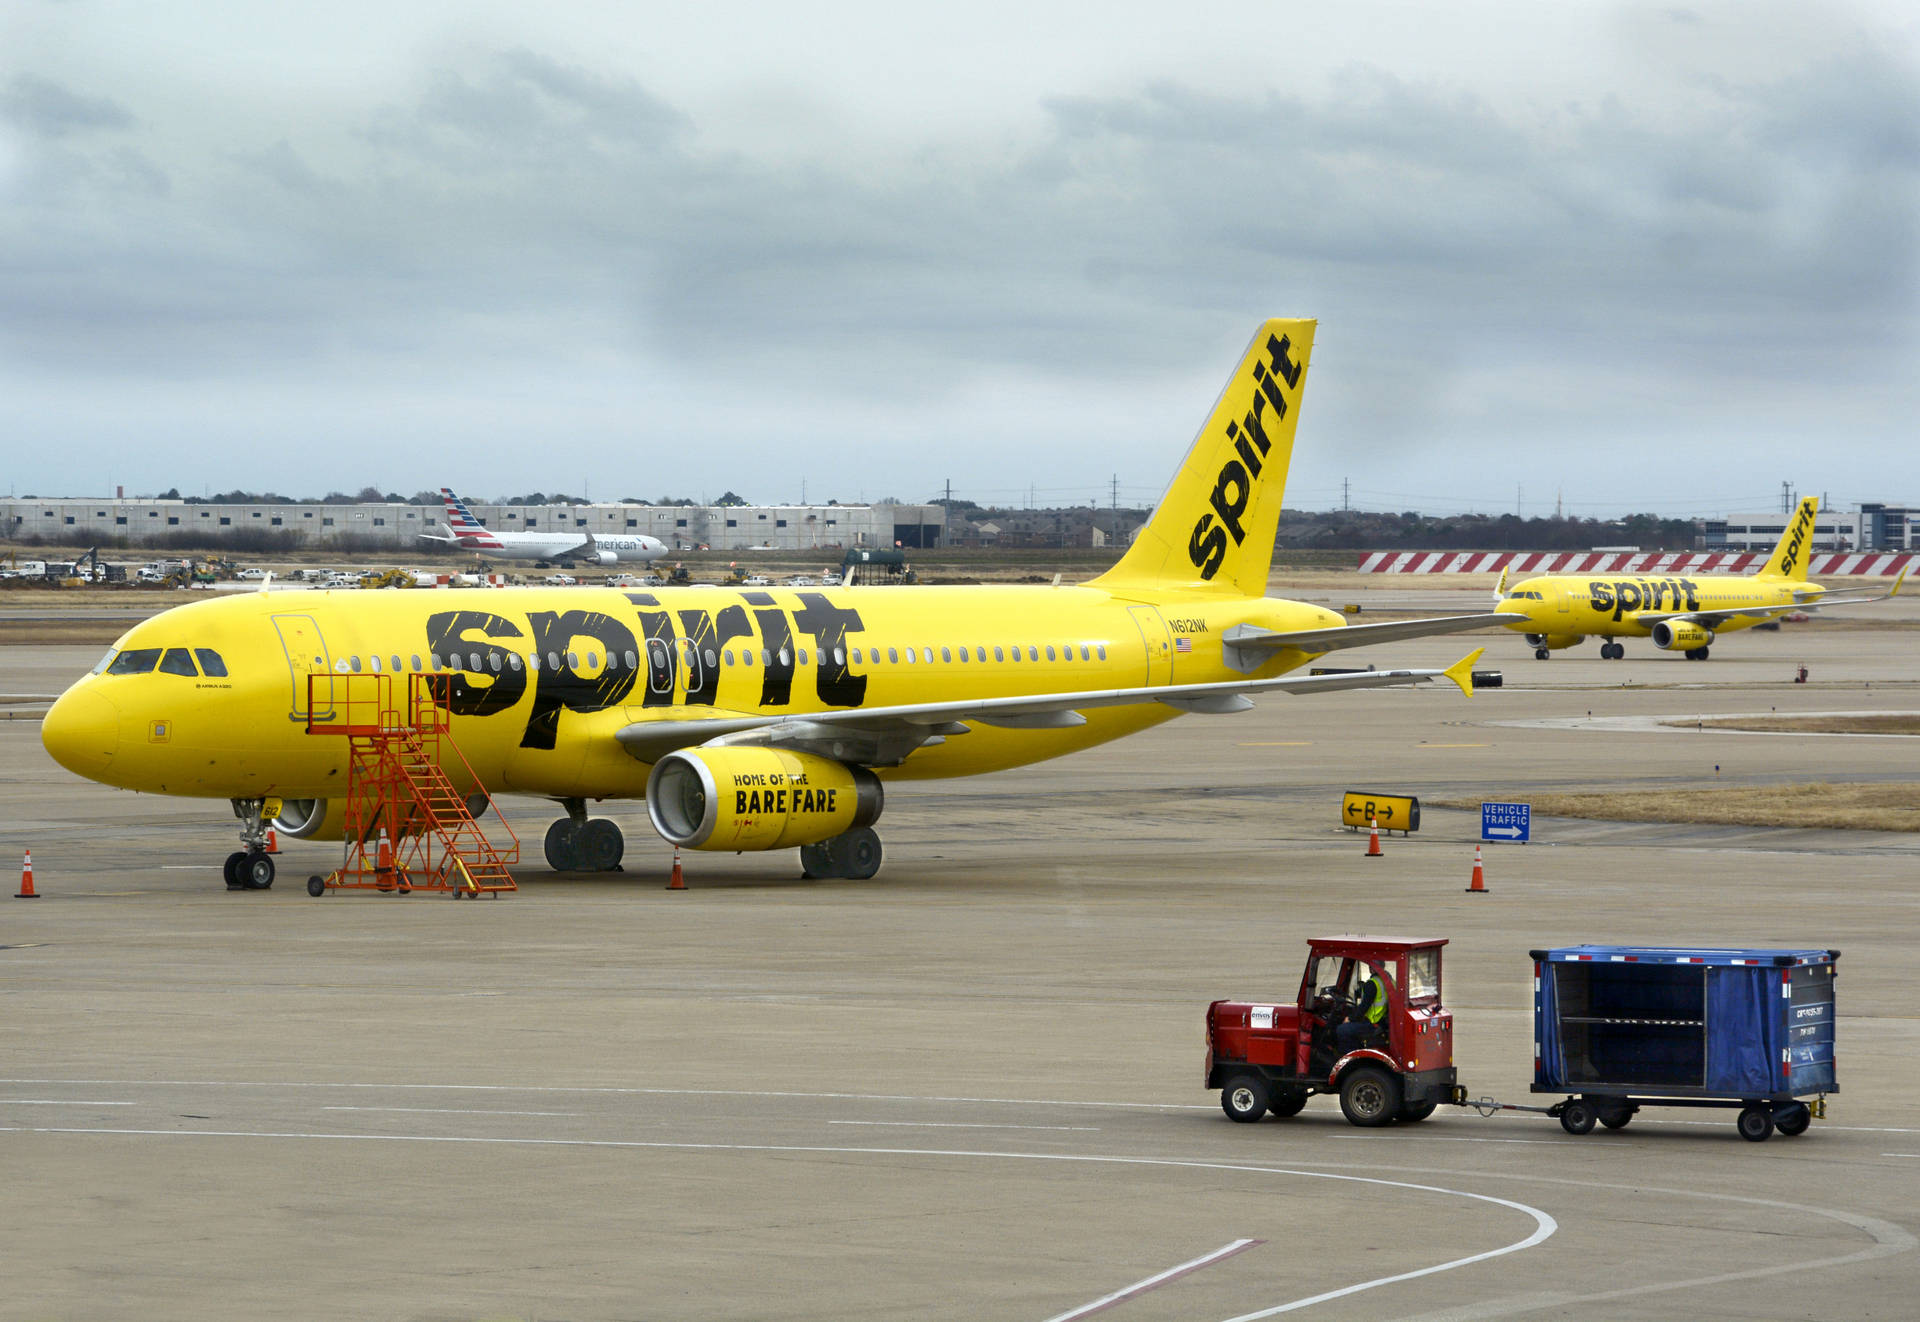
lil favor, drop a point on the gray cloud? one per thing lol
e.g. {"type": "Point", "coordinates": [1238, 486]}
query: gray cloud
{"type": "Point", "coordinates": [1486, 275]}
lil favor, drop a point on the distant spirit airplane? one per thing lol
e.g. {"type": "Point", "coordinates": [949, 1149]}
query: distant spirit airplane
{"type": "Point", "coordinates": [749, 718]}
{"type": "Point", "coordinates": [469, 534]}
{"type": "Point", "coordinates": [1680, 614]}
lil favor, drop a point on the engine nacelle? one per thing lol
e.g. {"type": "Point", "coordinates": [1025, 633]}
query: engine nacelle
{"type": "Point", "coordinates": [1555, 641]}
{"type": "Point", "coordinates": [325, 819]}
{"type": "Point", "coordinates": [1680, 635]}
{"type": "Point", "coordinates": [757, 798]}
{"type": "Point", "coordinates": [311, 819]}
{"type": "Point", "coordinates": [604, 558]}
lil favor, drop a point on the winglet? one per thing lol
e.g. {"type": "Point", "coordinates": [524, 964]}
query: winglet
{"type": "Point", "coordinates": [1500, 588]}
{"type": "Point", "coordinates": [1461, 671]}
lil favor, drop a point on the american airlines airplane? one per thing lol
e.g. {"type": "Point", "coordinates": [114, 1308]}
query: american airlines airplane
{"type": "Point", "coordinates": [469, 534]}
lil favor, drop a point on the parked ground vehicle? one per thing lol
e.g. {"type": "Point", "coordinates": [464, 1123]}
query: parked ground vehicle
{"type": "Point", "coordinates": [1621, 1027]}
{"type": "Point", "coordinates": [1266, 1057]}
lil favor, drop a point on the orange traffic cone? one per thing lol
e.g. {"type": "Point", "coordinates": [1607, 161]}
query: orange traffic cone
{"type": "Point", "coordinates": [1479, 886]}
{"type": "Point", "coordinates": [26, 891]}
{"type": "Point", "coordinates": [679, 883]}
{"type": "Point", "coordinates": [1373, 839]}
{"type": "Point", "coordinates": [273, 842]}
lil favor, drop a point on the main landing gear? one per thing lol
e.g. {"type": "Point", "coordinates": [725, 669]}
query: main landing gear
{"type": "Point", "coordinates": [854, 855]}
{"type": "Point", "coordinates": [249, 868]}
{"type": "Point", "coordinates": [577, 843]}
{"type": "Point", "coordinates": [1696, 654]}
{"type": "Point", "coordinates": [1613, 651]}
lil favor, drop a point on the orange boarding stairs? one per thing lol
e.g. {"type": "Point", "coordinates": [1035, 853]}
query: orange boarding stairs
{"type": "Point", "coordinates": [408, 824]}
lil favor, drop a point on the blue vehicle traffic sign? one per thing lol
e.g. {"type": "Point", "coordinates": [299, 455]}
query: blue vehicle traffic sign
{"type": "Point", "coordinates": [1506, 821]}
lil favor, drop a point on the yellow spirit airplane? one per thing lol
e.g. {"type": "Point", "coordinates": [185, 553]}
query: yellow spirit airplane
{"type": "Point", "coordinates": [749, 719]}
{"type": "Point", "coordinates": [1680, 614]}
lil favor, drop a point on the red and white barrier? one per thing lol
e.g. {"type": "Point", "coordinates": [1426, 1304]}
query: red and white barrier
{"type": "Point", "coordinates": [1521, 564]}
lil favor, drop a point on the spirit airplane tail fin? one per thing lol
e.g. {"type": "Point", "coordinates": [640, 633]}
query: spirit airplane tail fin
{"type": "Point", "coordinates": [1789, 559]}
{"type": "Point", "coordinates": [1216, 523]}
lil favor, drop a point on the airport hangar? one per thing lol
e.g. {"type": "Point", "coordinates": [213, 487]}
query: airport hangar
{"type": "Point", "coordinates": [970, 1087]}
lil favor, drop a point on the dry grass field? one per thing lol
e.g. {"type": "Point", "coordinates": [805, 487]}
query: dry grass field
{"type": "Point", "coordinates": [1876, 806]}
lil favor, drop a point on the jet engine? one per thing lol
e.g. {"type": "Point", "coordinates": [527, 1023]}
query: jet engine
{"type": "Point", "coordinates": [604, 558]}
{"type": "Point", "coordinates": [311, 819]}
{"type": "Point", "coordinates": [1555, 641]}
{"type": "Point", "coordinates": [757, 798]}
{"type": "Point", "coordinates": [1680, 636]}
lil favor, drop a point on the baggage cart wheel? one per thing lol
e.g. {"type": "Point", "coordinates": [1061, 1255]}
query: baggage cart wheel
{"type": "Point", "coordinates": [1756, 1123]}
{"type": "Point", "coordinates": [1616, 1117]}
{"type": "Point", "coordinates": [1244, 1098]}
{"type": "Point", "coordinates": [1369, 1096]}
{"type": "Point", "coordinates": [1286, 1102]}
{"type": "Point", "coordinates": [1793, 1120]}
{"type": "Point", "coordinates": [316, 887]}
{"type": "Point", "coordinates": [1577, 1116]}
{"type": "Point", "coordinates": [1414, 1112]}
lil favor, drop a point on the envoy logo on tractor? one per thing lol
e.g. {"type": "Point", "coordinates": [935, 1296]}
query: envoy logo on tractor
{"type": "Point", "coordinates": [1233, 488]}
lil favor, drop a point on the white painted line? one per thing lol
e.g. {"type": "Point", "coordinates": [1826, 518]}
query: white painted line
{"type": "Point", "coordinates": [59, 1101]}
{"type": "Point", "coordinates": [1900, 1154]}
{"type": "Point", "coordinates": [945, 1124]}
{"type": "Point", "coordinates": [1105, 1302]}
{"type": "Point", "coordinates": [439, 1110]}
{"type": "Point", "coordinates": [1544, 1225]}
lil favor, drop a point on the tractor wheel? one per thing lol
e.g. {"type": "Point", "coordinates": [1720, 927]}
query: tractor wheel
{"type": "Point", "coordinates": [1413, 1113]}
{"type": "Point", "coordinates": [1369, 1096]}
{"type": "Point", "coordinates": [1616, 1117]}
{"type": "Point", "coordinates": [1286, 1102]}
{"type": "Point", "coordinates": [1244, 1098]}
{"type": "Point", "coordinates": [1756, 1123]}
{"type": "Point", "coordinates": [1793, 1120]}
{"type": "Point", "coordinates": [1577, 1116]}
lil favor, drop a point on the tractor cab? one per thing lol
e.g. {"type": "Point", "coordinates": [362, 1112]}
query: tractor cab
{"type": "Point", "coordinates": [1368, 1024]}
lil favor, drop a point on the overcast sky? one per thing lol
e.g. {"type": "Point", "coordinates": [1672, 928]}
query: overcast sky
{"type": "Point", "coordinates": [1641, 257]}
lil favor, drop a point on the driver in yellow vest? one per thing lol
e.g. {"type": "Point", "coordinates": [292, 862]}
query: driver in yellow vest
{"type": "Point", "coordinates": [1366, 1025]}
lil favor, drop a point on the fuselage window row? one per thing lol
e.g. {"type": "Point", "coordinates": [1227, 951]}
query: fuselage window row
{"type": "Point", "coordinates": [178, 661]}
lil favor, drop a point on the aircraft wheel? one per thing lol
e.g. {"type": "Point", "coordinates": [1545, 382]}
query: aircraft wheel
{"type": "Point", "coordinates": [231, 870]}
{"type": "Point", "coordinates": [1244, 1098]}
{"type": "Point", "coordinates": [1756, 1123]}
{"type": "Point", "coordinates": [1703, 653]}
{"type": "Point", "coordinates": [1369, 1096]}
{"type": "Point", "coordinates": [1541, 654]}
{"type": "Point", "coordinates": [561, 853]}
{"type": "Point", "coordinates": [598, 846]}
{"type": "Point", "coordinates": [816, 860]}
{"type": "Point", "coordinates": [258, 872]}
{"type": "Point", "coordinates": [857, 853]}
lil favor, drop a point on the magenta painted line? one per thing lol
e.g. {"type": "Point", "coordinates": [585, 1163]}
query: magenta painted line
{"type": "Point", "coordinates": [1138, 1288]}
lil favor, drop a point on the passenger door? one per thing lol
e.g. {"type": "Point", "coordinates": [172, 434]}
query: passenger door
{"type": "Point", "coordinates": [307, 654]}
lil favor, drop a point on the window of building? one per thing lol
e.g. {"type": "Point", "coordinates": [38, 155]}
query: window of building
{"type": "Point", "coordinates": [121, 520]}
{"type": "Point", "coordinates": [224, 521]}
{"type": "Point", "coordinates": [378, 523]}
{"type": "Point", "coordinates": [276, 520]}
{"type": "Point", "coordinates": [779, 523]}
{"type": "Point", "coordinates": [679, 523]}
{"type": "Point", "coordinates": [733, 523]}
{"type": "Point", "coordinates": [173, 520]}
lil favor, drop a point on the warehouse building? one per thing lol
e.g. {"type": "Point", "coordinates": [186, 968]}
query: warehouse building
{"type": "Point", "coordinates": [86, 522]}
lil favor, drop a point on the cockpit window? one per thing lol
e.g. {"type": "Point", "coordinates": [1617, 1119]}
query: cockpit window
{"type": "Point", "coordinates": [106, 660]}
{"type": "Point", "coordinates": [178, 661]}
{"type": "Point", "coordinates": [211, 663]}
{"type": "Point", "coordinates": [136, 661]}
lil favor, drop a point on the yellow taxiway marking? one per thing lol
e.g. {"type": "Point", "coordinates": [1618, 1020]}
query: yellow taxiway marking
{"type": "Point", "coordinates": [1279, 743]}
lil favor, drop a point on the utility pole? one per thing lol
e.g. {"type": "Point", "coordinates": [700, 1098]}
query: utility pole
{"type": "Point", "coordinates": [946, 517]}
{"type": "Point", "coordinates": [1786, 497]}
{"type": "Point", "coordinates": [1345, 504]}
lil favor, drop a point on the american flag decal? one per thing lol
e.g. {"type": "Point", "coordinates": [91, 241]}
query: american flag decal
{"type": "Point", "coordinates": [1183, 644]}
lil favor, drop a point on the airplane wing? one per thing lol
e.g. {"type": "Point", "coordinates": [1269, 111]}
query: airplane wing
{"type": "Point", "coordinates": [1714, 619]}
{"type": "Point", "coordinates": [1253, 646]}
{"type": "Point", "coordinates": [884, 736]}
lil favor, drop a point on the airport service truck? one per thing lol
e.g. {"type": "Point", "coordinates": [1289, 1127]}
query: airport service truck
{"type": "Point", "coordinates": [1394, 1066]}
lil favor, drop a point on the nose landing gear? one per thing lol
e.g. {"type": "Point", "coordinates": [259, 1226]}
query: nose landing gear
{"type": "Point", "coordinates": [251, 867]}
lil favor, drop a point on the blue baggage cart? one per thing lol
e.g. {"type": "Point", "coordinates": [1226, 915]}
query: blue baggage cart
{"type": "Point", "coordinates": [1621, 1027]}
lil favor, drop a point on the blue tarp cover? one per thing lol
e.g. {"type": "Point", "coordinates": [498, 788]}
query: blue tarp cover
{"type": "Point", "coordinates": [1704, 1020]}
